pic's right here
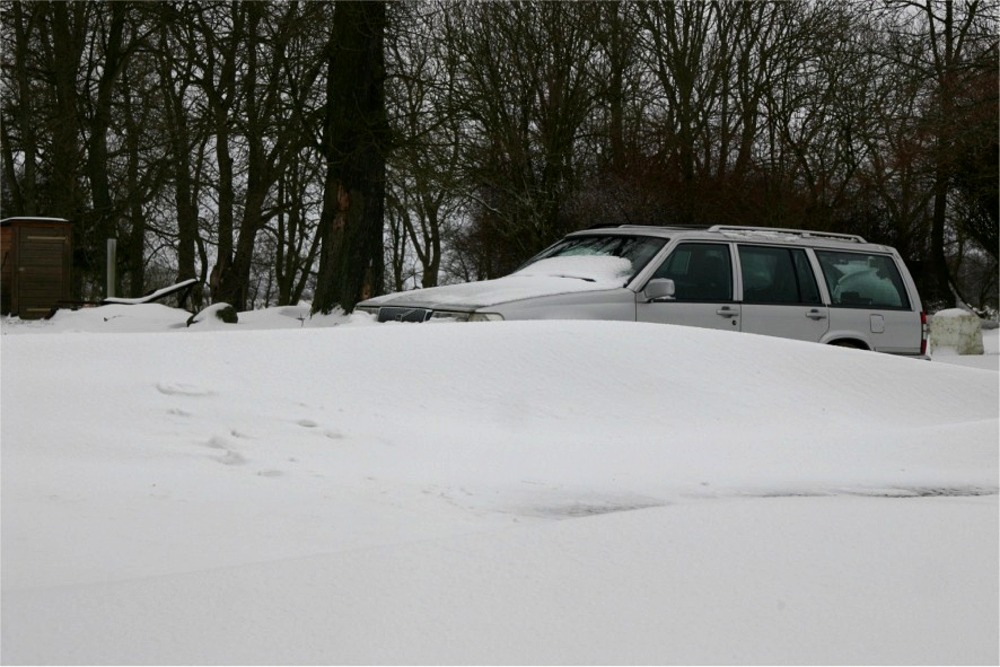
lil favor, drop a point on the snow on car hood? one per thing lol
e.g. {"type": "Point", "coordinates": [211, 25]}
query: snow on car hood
{"type": "Point", "coordinates": [546, 277]}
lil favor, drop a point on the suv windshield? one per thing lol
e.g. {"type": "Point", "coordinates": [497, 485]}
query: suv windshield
{"type": "Point", "coordinates": [636, 249]}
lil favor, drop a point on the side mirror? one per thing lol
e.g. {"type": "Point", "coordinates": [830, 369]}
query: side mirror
{"type": "Point", "coordinates": [659, 289]}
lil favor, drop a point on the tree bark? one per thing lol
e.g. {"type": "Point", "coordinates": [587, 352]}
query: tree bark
{"type": "Point", "coordinates": [354, 145]}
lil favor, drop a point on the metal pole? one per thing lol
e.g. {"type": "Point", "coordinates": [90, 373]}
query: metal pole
{"type": "Point", "coordinates": [112, 262]}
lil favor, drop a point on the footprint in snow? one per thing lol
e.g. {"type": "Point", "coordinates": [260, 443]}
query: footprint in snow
{"type": "Point", "coordinates": [230, 456]}
{"type": "Point", "coordinates": [331, 433]}
{"type": "Point", "coordinates": [182, 389]}
{"type": "Point", "coordinates": [218, 442]}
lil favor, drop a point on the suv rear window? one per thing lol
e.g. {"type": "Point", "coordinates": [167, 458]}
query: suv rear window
{"type": "Point", "coordinates": [859, 280]}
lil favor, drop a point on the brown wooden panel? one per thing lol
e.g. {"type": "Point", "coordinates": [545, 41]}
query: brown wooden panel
{"type": "Point", "coordinates": [41, 264]}
{"type": "Point", "coordinates": [35, 258]}
{"type": "Point", "coordinates": [7, 264]}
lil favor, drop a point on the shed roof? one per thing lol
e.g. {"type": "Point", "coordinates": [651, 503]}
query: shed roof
{"type": "Point", "coordinates": [31, 218]}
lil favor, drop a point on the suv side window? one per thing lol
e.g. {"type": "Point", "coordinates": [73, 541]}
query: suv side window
{"type": "Point", "coordinates": [775, 275]}
{"type": "Point", "coordinates": [860, 280]}
{"type": "Point", "coordinates": [700, 271]}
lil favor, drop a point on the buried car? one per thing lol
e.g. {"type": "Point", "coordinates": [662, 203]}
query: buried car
{"type": "Point", "coordinates": [815, 286]}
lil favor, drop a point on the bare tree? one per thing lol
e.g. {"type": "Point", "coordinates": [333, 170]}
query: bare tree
{"type": "Point", "coordinates": [426, 192]}
{"type": "Point", "coordinates": [294, 230]}
{"type": "Point", "coordinates": [465, 136]}
{"type": "Point", "coordinates": [250, 95]}
{"type": "Point", "coordinates": [525, 90]}
{"type": "Point", "coordinates": [355, 143]}
{"type": "Point", "coordinates": [21, 144]}
{"type": "Point", "coordinates": [950, 36]}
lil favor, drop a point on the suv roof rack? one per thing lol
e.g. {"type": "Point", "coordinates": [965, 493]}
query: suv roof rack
{"type": "Point", "coordinates": [632, 225]}
{"type": "Point", "coordinates": [797, 232]}
{"type": "Point", "coordinates": [641, 226]}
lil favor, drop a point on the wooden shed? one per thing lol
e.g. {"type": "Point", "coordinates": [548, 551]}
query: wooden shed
{"type": "Point", "coordinates": [37, 258]}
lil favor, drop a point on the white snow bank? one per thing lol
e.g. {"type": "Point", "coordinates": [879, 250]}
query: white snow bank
{"type": "Point", "coordinates": [157, 317]}
{"type": "Point", "coordinates": [773, 581]}
{"type": "Point", "coordinates": [514, 492]}
{"type": "Point", "coordinates": [154, 317]}
{"type": "Point", "coordinates": [954, 312]}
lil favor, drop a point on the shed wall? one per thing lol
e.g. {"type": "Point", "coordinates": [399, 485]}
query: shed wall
{"type": "Point", "coordinates": [37, 257]}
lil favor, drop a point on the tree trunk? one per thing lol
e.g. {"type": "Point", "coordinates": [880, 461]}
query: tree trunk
{"type": "Point", "coordinates": [115, 57]}
{"type": "Point", "coordinates": [354, 145]}
{"type": "Point", "coordinates": [133, 259]}
{"type": "Point", "coordinates": [25, 192]}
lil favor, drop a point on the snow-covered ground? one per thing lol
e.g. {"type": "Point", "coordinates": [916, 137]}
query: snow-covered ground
{"type": "Point", "coordinates": [295, 490]}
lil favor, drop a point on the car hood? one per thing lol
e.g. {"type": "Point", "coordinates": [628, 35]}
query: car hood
{"type": "Point", "coordinates": [547, 277]}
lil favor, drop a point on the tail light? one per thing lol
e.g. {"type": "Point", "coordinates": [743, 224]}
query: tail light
{"type": "Point", "coordinates": [924, 333]}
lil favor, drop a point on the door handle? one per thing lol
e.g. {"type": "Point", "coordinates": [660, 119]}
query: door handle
{"type": "Point", "coordinates": [727, 311]}
{"type": "Point", "coordinates": [815, 314]}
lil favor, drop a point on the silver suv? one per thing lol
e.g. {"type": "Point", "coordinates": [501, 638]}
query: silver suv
{"type": "Point", "coordinates": [815, 286]}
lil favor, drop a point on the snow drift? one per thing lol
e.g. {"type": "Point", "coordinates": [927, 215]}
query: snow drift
{"type": "Point", "coordinates": [516, 492]}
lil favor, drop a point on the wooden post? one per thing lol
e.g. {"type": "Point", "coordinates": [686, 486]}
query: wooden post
{"type": "Point", "coordinates": [112, 262]}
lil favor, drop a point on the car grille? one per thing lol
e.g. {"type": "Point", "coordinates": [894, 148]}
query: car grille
{"type": "Point", "coordinates": [403, 314]}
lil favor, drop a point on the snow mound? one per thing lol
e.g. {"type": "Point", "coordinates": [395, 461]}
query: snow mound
{"type": "Point", "coordinates": [303, 490]}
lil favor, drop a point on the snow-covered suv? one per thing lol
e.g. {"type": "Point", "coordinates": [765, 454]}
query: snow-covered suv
{"type": "Point", "coordinates": [815, 286]}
